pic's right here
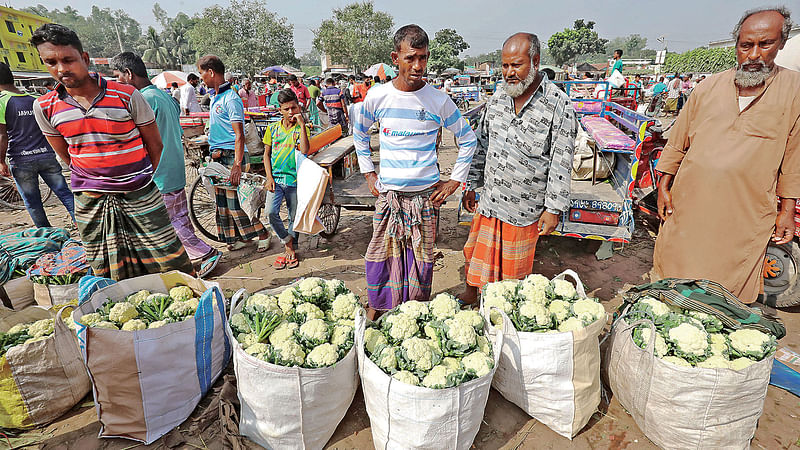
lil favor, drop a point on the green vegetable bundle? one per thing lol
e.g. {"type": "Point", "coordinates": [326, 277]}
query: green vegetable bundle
{"type": "Point", "coordinates": [434, 344]}
{"type": "Point", "coordinates": [539, 305]}
{"type": "Point", "coordinates": [310, 325]}
{"type": "Point", "coordinates": [142, 310]}
{"type": "Point", "coordinates": [24, 333]}
{"type": "Point", "coordinates": [696, 339]}
{"type": "Point", "coordinates": [58, 280]}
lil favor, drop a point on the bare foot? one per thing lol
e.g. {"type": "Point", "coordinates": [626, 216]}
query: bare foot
{"type": "Point", "coordinates": [470, 295]}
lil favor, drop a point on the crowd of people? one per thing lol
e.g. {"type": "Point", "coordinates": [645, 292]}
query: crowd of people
{"type": "Point", "coordinates": [728, 158]}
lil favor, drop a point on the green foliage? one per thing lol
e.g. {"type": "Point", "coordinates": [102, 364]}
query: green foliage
{"type": "Point", "coordinates": [452, 38]}
{"type": "Point", "coordinates": [444, 48]}
{"type": "Point", "coordinates": [709, 60]}
{"type": "Point", "coordinates": [246, 35]}
{"type": "Point", "coordinates": [565, 46]}
{"type": "Point", "coordinates": [632, 46]}
{"type": "Point", "coordinates": [494, 57]}
{"type": "Point", "coordinates": [357, 35]}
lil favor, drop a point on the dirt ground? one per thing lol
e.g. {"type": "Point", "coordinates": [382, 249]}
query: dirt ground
{"type": "Point", "coordinates": [505, 425]}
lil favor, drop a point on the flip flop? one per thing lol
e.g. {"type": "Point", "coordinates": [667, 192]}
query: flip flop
{"type": "Point", "coordinates": [280, 262]}
{"type": "Point", "coordinates": [209, 264]}
{"type": "Point", "coordinates": [292, 262]}
{"type": "Point", "coordinates": [238, 245]}
{"type": "Point", "coordinates": [263, 245]}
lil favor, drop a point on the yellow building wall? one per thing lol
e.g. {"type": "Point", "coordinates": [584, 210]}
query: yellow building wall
{"type": "Point", "coordinates": [16, 28]}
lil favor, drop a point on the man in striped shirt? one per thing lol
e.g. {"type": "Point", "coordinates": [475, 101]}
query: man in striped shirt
{"type": "Point", "coordinates": [107, 133]}
{"type": "Point", "coordinates": [399, 259]}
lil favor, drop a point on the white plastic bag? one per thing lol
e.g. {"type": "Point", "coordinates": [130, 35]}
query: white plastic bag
{"type": "Point", "coordinates": [54, 294]}
{"type": "Point", "coordinates": [312, 180]}
{"type": "Point", "coordinates": [291, 407]}
{"type": "Point", "coordinates": [252, 194]}
{"type": "Point", "coordinates": [554, 377]}
{"type": "Point", "coordinates": [616, 79]}
{"type": "Point", "coordinates": [404, 416]}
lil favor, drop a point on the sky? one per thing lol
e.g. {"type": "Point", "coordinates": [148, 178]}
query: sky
{"type": "Point", "coordinates": [484, 24]}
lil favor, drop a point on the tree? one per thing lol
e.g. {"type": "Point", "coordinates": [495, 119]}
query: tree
{"type": "Point", "coordinates": [701, 60]}
{"type": "Point", "coordinates": [450, 37]}
{"type": "Point", "coordinates": [633, 46]}
{"type": "Point", "coordinates": [153, 49]}
{"type": "Point", "coordinates": [442, 57]}
{"type": "Point", "coordinates": [246, 35]}
{"type": "Point", "coordinates": [581, 39]}
{"type": "Point", "coordinates": [311, 58]}
{"type": "Point", "coordinates": [356, 35]}
{"type": "Point", "coordinates": [495, 58]}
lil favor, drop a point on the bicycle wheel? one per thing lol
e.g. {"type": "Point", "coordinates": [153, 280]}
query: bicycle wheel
{"type": "Point", "coordinates": [45, 191]}
{"type": "Point", "coordinates": [329, 216]}
{"type": "Point", "coordinates": [9, 196]}
{"type": "Point", "coordinates": [203, 210]}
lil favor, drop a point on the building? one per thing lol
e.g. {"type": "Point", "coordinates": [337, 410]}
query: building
{"type": "Point", "coordinates": [730, 41]}
{"type": "Point", "coordinates": [15, 35]}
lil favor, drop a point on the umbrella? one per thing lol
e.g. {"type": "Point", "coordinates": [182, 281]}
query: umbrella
{"type": "Point", "coordinates": [450, 71]}
{"type": "Point", "coordinates": [284, 69]}
{"type": "Point", "coordinates": [381, 70]}
{"type": "Point", "coordinates": [168, 77]}
{"type": "Point", "coordinates": [274, 69]}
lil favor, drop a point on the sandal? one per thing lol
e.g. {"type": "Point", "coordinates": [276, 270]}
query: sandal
{"type": "Point", "coordinates": [238, 245]}
{"type": "Point", "coordinates": [263, 245]}
{"type": "Point", "coordinates": [292, 262]}
{"type": "Point", "coordinates": [280, 262]}
{"type": "Point", "coordinates": [208, 265]}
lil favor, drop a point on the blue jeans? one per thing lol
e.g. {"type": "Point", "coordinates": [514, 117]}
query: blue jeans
{"type": "Point", "coordinates": [26, 176]}
{"type": "Point", "coordinates": [274, 199]}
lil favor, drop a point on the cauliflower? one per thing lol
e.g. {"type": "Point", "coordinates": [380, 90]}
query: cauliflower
{"type": "Point", "coordinates": [310, 311]}
{"type": "Point", "coordinates": [314, 332]}
{"type": "Point", "coordinates": [265, 302]}
{"type": "Point", "coordinates": [157, 324]}
{"type": "Point", "coordinates": [401, 326]}
{"type": "Point", "coordinates": [134, 325]}
{"type": "Point", "coordinates": [181, 293]}
{"type": "Point", "coordinates": [345, 306]}
{"type": "Point", "coordinates": [122, 312]}
{"type": "Point", "coordinates": [534, 293]}
{"type": "Point", "coordinates": [537, 281]}
{"type": "Point", "coordinates": [484, 345]}
{"type": "Point", "coordinates": [741, 363]}
{"type": "Point", "coordinates": [178, 311]}
{"type": "Point", "coordinates": [373, 339]}
{"type": "Point", "coordinates": [21, 327]}
{"type": "Point", "coordinates": [287, 299]}
{"type": "Point", "coordinates": [289, 353]}
{"type": "Point", "coordinates": [719, 344]}
{"type": "Point", "coordinates": [323, 356]}
{"type": "Point", "coordinates": [406, 377]}
{"type": "Point", "coordinates": [674, 360]}
{"type": "Point", "coordinates": [385, 357]}
{"type": "Point", "coordinates": [419, 354]}
{"type": "Point", "coordinates": [479, 363]}
{"type": "Point", "coordinates": [414, 309]}
{"type": "Point", "coordinates": [257, 348]}
{"type": "Point", "coordinates": [239, 323]}
{"type": "Point", "coordinates": [751, 343]}
{"type": "Point", "coordinates": [283, 332]}
{"type": "Point", "coordinates": [138, 297]}
{"type": "Point", "coordinates": [563, 289]}
{"type": "Point", "coordinates": [246, 339]}
{"type": "Point", "coordinates": [710, 323]}
{"type": "Point", "coordinates": [506, 289]}
{"type": "Point", "coordinates": [342, 336]}
{"type": "Point", "coordinates": [105, 324]}
{"type": "Point", "coordinates": [715, 362]}
{"type": "Point", "coordinates": [534, 315]}
{"type": "Point", "coordinates": [641, 336]}
{"type": "Point", "coordinates": [444, 306]}
{"type": "Point", "coordinates": [41, 328]}
{"type": "Point", "coordinates": [690, 341]}
{"type": "Point", "coordinates": [155, 297]}
{"type": "Point", "coordinates": [463, 334]}
{"type": "Point", "coordinates": [571, 324]}
{"type": "Point", "coordinates": [453, 364]}
{"type": "Point", "coordinates": [312, 289]}
{"type": "Point", "coordinates": [588, 310]}
{"type": "Point", "coordinates": [650, 308]}
{"type": "Point", "coordinates": [333, 288]}
{"type": "Point", "coordinates": [471, 318]}
{"type": "Point", "coordinates": [437, 377]}
{"type": "Point", "coordinates": [35, 339]}
{"type": "Point", "coordinates": [560, 310]}
{"type": "Point", "coordinates": [497, 301]}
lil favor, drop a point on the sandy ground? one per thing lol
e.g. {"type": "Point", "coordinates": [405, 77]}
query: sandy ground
{"type": "Point", "coordinates": [504, 425]}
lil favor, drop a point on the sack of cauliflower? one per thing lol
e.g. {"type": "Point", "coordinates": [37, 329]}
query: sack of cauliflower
{"type": "Point", "coordinates": [41, 370]}
{"type": "Point", "coordinates": [550, 362]}
{"type": "Point", "coordinates": [153, 346]}
{"type": "Point", "coordinates": [686, 378]}
{"type": "Point", "coordinates": [426, 370]}
{"type": "Point", "coordinates": [300, 339]}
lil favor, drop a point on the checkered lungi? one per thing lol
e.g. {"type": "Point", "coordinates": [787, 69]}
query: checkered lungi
{"type": "Point", "coordinates": [232, 222]}
{"type": "Point", "coordinates": [498, 251]}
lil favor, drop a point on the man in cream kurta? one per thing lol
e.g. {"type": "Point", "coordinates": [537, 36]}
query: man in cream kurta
{"type": "Point", "coordinates": [734, 150]}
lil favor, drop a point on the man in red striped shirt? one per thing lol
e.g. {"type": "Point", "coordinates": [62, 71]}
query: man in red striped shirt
{"type": "Point", "coordinates": [107, 133]}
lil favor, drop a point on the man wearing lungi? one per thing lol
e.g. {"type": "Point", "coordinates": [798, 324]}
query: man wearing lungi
{"type": "Point", "coordinates": [107, 133]}
{"type": "Point", "coordinates": [226, 141]}
{"type": "Point", "coordinates": [399, 258]}
{"type": "Point", "coordinates": [527, 139]}
{"type": "Point", "coordinates": [170, 177]}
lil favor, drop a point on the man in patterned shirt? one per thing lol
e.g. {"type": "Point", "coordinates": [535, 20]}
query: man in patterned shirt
{"type": "Point", "coordinates": [526, 142]}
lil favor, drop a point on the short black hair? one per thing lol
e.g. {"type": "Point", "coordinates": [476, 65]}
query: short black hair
{"type": "Point", "coordinates": [413, 34]}
{"type": "Point", "coordinates": [618, 51]}
{"type": "Point", "coordinates": [211, 62]}
{"type": "Point", "coordinates": [286, 96]}
{"type": "Point", "coordinates": [551, 74]}
{"type": "Point", "coordinates": [174, 84]}
{"type": "Point", "coordinates": [329, 80]}
{"type": "Point", "coordinates": [388, 78]}
{"type": "Point", "coordinates": [6, 77]}
{"type": "Point", "coordinates": [192, 76]}
{"type": "Point", "coordinates": [292, 77]}
{"type": "Point", "coordinates": [377, 79]}
{"type": "Point", "coordinates": [129, 61]}
{"type": "Point", "coordinates": [56, 34]}
{"type": "Point", "coordinates": [352, 77]}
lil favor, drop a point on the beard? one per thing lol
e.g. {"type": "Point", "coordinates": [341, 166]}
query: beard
{"type": "Point", "coordinates": [751, 78]}
{"type": "Point", "coordinates": [516, 89]}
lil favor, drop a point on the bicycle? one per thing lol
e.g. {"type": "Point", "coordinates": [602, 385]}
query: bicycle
{"type": "Point", "coordinates": [11, 198]}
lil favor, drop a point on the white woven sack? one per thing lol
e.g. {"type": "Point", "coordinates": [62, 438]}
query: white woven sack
{"type": "Point", "coordinates": [555, 378]}
{"type": "Point", "coordinates": [684, 407]}
{"type": "Point", "coordinates": [291, 407]}
{"type": "Point", "coordinates": [403, 416]}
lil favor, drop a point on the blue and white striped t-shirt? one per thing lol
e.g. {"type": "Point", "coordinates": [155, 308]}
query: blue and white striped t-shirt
{"type": "Point", "coordinates": [409, 122]}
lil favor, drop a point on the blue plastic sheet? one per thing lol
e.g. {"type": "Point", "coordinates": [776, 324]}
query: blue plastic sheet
{"type": "Point", "coordinates": [786, 376]}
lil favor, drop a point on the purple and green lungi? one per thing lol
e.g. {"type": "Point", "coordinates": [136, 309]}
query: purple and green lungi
{"type": "Point", "coordinates": [178, 211]}
{"type": "Point", "coordinates": [399, 259]}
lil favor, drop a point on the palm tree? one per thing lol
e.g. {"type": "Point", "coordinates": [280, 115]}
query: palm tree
{"type": "Point", "coordinates": [155, 51]}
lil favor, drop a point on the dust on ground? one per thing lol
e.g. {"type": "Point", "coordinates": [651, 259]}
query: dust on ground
{"type": "Point", "coordinates": [504, 425]}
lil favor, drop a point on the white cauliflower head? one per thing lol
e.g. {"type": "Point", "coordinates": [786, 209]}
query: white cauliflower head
{"type": "Point", "coordinates": [406, 377]}
{"type": "Point", "coordinates": [246, 339]}
{"type": "Point", "coordinates": [719, 344]}
{"type": "Point", "coordinates": [287, 299]}
{"type": "Point", "coordinates": [536, 312]}
{"type": "Point", "coordinates": [315, 331]}
{"type": "Point", "coordinates": [460, 332]}
{"type": "Point", "coordinates": [20, 327]}
{"type": "Point", "coordinates": [453, 364]}
{"type": "Point", "coordinates": [257, 348]}
{"type": "Point", "coordinates": [342, 336]}
{"type": "Point", "coordinates": [564, 289]}
{"type": "Point", "coordinates": [505, 288]}
{"type": "Point", "coordinates": [134, 325]}
{"type": "Point", "coordinates": [484, 345]}
{"type": "Point", "coordinates": [560, 310]}
{"type": "Point", "coordinates": [138, 297]}
{"type": "Point", "coordinates": [588, 310]}
{"type": "Point", "coordinates": [312, 288]}
{"type": "Point", "coordinates": [689, 340]}
{"type": "Point", "coordinates": [105, 324]}
{"type": "Point", "coordinates": [345, 306]}
{"type": "Point", "coordinates": [157, 324]}
{"type": "Point", "coordinates": [289, 353]}
{"type": "Point", "coordinates": [571, 324]}
{"type": "Point", "coordinates": [478, 362]}
{"type": "Point", "coordinates": [533, 293]}
{"type": "Point", "coordinates": [310, 311]}
{"type": "Point", "coordinates": [41, 328]}
{"type": "Point", "coordinates": [674, 360]}
{"type": "Point", "coordinates": [414, 308]}
{"type": "Point", "coordinates": [751, 343]}
{"type": "Point", "coordinates": [239, 323]}
{"type": "Point", "coordinates": [181, 293]}
{"type": "Point", "coordinates": [659, 308]}
{"type": "Point", "coordinates": [443, 306]}
{"type": "Point", "coordinates": [373, 339]}
{"type": "Point", "coordinates": [401, 326]}
{"type": "Point", "coordinates": [122, 312]}
{"type": "Point", "coordinates": [283, 332]}
{"type": "Point", "coordinates": [661, 347]}
{"type": "Point", "coordinates": [437, 377]}
{"type": "Point", "coordinates": [265, 302]}
{"type": "Point", "coordinates": [741, 363]}
{"type": "Point", "coordinates": [715, 362]}
{"type": "Point", "coordinates": [334, 288]}
{"type": "Point", "coordinates": [386, 358]}
{"type": "Point", "coordinates": [323, 355]}
{"type": "Point", "coordinates": [470, 317]}
{"type": "Point", "coordinates": [181, 310]}
{"type": "Point", "coordinates": [421, 353]}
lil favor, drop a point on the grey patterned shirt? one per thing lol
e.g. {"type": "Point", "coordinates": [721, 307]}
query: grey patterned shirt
{"type": "Point", "coordinates": [524, 161]}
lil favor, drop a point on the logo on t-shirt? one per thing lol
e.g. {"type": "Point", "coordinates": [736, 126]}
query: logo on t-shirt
{"type": "Point", "coordinates": [218, 109]}
{"type": "Point", "coordinates": [421, 114]}
{"type": "Point", "coordinates": [389, 132]}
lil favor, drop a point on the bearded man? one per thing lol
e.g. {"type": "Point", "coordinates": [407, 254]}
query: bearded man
{"type": "Point", "coordinates": [526, 143]}
{"type": "Point", "coordinates": [732, 153]}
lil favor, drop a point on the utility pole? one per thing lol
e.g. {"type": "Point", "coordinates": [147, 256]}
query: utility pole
{"type": "Point", "coordinates": [119, 38]}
